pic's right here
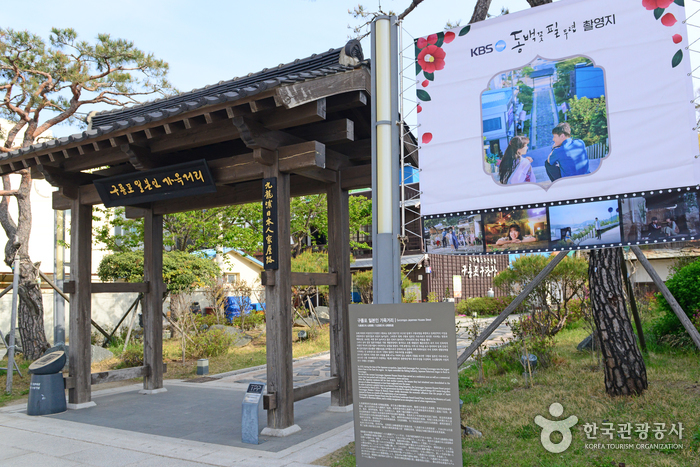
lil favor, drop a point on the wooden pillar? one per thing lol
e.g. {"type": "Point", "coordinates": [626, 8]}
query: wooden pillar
{"type": "Point", "coordinates": [278, 299]}
{"type": "Point", "coordinates": [153, 303]}
{"type": "Point", "coordinates": [339, 295]}
{"type": "Point", "coordinates": [80, 309]}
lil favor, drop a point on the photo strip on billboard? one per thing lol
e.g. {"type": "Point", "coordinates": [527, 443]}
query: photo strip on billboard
{"type": "Point", "coordinates": [516, 230]}
{"type": "Point", "coordinates": [532, 109]}
{"type": "Point", "coordinates": [661, 217]}
{"type": "Point", "coordinates": [453, 235]}
{"type": "Point", "coordinates": [585, 224]}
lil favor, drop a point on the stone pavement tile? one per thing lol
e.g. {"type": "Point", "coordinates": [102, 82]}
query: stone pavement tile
{"type": "Point", "coordinates": [46, 444]}
{"type": "Point", "coordinates": [158, 461]}
{"type": "Point", "coordinates": [262, 462]}
{"type": "Point", "coordinates": [35, 459]}
{"type": "Point", "coordinates": [7, 452]}
{"type": "Point", "coordinates": [107, 456]}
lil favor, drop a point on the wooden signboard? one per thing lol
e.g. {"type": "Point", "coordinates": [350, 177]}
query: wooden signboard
{"type": "Point", "coordinates": [270, 237]}
{"type": "Point", "coordinates": [174, 181]}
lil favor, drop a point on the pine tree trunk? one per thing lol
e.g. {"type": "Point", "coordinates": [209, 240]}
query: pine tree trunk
{"type": "Point", "coordinates": [625, 372]}
{"type": "Point", "coordinates": [30, 311]}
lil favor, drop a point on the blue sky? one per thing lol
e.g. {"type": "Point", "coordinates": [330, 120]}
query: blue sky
{"type": "Point", "coordinates": [213, 40]}
{"type": "Point", "coordinates": [581, 212]}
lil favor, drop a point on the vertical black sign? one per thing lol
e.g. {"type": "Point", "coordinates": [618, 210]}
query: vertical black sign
{"type": "Point", "coordinates": [270, 237]}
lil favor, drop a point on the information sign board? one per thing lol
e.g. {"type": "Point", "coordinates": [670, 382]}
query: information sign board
{"type": "Point", "coordinates": [405, 390]}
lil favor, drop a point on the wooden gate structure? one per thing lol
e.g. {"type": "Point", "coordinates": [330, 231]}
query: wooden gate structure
{"type": "Point", "coordinates": [306, 123]}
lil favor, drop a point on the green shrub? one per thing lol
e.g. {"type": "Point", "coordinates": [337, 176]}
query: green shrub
{"type": "Point", "coordinates": [485, 306]}
{"type": "Point", "coordinates": [684, 285]}
{"type": "Point", "coordinates": [132, 356]}
{"type": "Point", "coordinates": [251, 320]}
{"type": "Point", "coordinates": [212, 343]}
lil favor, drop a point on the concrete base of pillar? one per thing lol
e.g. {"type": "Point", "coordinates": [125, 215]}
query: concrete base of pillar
{"type": "Point", "coordinates": [83, 405]}
{"type": "Point", "coordinates": [149, 392]}
{"type": "Point", "coordinates": [339, 409]}
{"type": "Point", "coordinates": [280, 433]}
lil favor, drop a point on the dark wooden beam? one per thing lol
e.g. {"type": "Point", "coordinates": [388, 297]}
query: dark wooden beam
{"type": "Point", "coordinates": [301, 156]}
{"type": "Point", "coordinates": [319, 174]}
{"type": "Point", "coordinates": [140, 157]}
{"type": "Point", "coordinates": [301, 93]}
{"type": "Point", "coordinates": [119, 375]}
{"type": "Point", "coordinates": [349, 100]}
{"type": "Point", "coordinates": [305, 391]}
{"type": "Point", "coordinates": [339, 293]}
{"type": "Point", "coordinates": [262, 105]}
{"type": "Point", "coordinates": [356, 177]}
{"type": "Point", "coordinates": [58, 178]}
{"type": "Point", "coordinates": [80, 303]}
{"type": "Point", "coordinates": [153, 301]}
{"type": "Point", "coordinates": [255, 135]}
{"type": "Point", "coordinates": [331, 132]}
{"type": "Point", "coordinates": [94, 159]}
{"type": "Point", "coordinates": [308, 113]}
{"type": "Point", "coordinates": [302, 278]}
{"type": "Point", "coordinates": [110, 287]}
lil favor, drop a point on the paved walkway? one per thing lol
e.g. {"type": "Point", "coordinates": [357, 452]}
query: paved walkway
{"type": "Point", "coordinates": [546, 116]}
{"type": "Point", "coordinates": [193, 424]}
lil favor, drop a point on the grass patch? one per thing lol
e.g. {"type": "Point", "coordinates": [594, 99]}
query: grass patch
{"type": "Point", "coordinates": [20, 385]}
{"type": "Point", "coordinates": [236, 358]}
{"type": "Point", "coordinates": [504, 408]}
{"type": "Point", "coordinates": [343, 457]}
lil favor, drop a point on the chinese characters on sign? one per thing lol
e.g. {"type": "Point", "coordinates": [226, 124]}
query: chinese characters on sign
{"type": "Point", "coordinates": [175, 181]}
{"type": "Point", "coordinates": [270, 244]}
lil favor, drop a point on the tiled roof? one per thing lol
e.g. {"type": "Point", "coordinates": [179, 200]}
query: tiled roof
{"type": "Point", "coordinates": [315, 66]}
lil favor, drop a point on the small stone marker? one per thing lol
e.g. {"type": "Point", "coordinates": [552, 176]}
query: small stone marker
{"type": "Point", "coordinates": [203, 366]}
{"type": "Point", "coordinates": [249, 413]}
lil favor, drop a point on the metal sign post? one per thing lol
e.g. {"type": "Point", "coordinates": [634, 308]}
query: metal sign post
{"type": "Point", "coordinates": [13, 320]}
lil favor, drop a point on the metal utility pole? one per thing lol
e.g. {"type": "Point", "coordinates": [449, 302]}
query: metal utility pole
{"type": "Point", "coordinates": [386, 253]}
{"type": "Point", "coordinates": [13, 320]}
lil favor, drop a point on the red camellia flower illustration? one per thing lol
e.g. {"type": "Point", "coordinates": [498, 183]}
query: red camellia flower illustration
{"type": "Point", "coordinates": [420, 109]}
{"type": "Point", "coordinates": [425, 83]}
{"type": "Point", "coordinates": [427, 137]}
{"type": "Point", "coordinates": [449, 37]}
{"type": "Point", "coordinates": [430, 40]}
{"type": "Point", "coordinates": [677, 38]}
{"type": "Point", "coordinates": [654, 4]}
{"type": "Point", "coordinates": [432, 58]}
{"type": "Point", "coordinates": [668, 19]}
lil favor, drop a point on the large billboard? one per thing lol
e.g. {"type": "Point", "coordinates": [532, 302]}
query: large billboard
{"type": "Point", "coordinates": [535, 126]}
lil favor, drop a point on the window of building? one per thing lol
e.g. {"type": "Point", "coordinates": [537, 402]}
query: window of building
{"type": "Point", "coordinates": [232, 278]}
{"type": "Point", "coordinates": [492, 124]}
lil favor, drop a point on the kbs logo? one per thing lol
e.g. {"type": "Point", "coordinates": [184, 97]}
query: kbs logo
{"type": "Point", "coordinates": [487, 49]}
{"type": "Point", "coordinates": [482, 50]}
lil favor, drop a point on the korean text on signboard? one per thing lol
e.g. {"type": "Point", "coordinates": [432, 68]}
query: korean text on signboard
{"type": "Point", "coordinates": [541, 116]}
{"type": "Point", "coordinates": [270, 240]}
{"type": "Point", "coordinates": [174, 181]}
